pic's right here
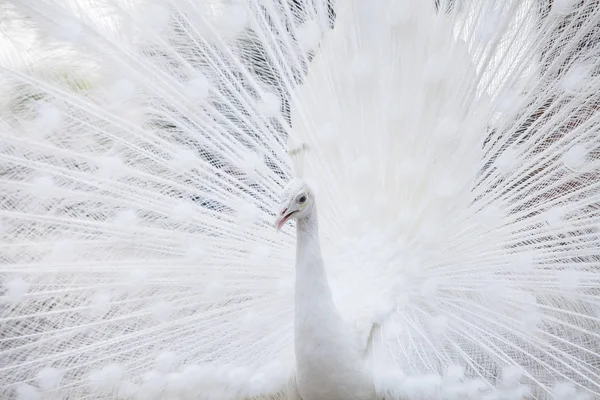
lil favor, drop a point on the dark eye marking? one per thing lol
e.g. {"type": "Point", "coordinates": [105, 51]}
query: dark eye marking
{"type": "Point", "coordinates": [302, 199]}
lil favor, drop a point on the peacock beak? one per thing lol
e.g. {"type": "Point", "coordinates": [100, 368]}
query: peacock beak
{"type": "Point", "coordinates": [283, 217]}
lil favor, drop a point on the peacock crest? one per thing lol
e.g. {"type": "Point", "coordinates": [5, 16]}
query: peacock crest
{"type": "Point", "coordinates": [298, 156]}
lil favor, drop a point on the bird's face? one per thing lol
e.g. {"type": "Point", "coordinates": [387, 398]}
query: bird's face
{"type": "Point", "coordinates": [296, 201]}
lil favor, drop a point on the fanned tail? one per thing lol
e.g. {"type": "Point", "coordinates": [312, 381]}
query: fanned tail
{"type": "Point", "coordinates": [456, 153]}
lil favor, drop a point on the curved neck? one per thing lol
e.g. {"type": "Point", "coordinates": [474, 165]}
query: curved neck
{"type": "Point", "coordinates": [312, 287]}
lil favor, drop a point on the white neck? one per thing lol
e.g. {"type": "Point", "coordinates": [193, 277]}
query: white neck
{"type": "Point", "coordinates": [329, 364]}
{"type": "Point", "coordinates": [314, 303]}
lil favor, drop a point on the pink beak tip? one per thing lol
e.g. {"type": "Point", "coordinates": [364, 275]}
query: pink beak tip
{"type": "Point", "coordinates": [279, 222]}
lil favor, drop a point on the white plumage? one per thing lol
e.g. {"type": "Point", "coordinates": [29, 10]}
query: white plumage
{"type": "Point", "coordinates": [451, 148]}
{"type": "Point", "coordinates": [332, 356]}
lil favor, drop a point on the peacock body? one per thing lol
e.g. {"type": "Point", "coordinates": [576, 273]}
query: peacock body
{"type": "Point", "coordinates": [452, 150]}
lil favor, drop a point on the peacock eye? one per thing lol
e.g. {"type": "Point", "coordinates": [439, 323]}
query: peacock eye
{"type": "Point", "coordinates": [302, 199]}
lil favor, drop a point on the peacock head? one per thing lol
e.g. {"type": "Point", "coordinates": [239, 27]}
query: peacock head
{"type": "Point", "coordinates": [296, 202]}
